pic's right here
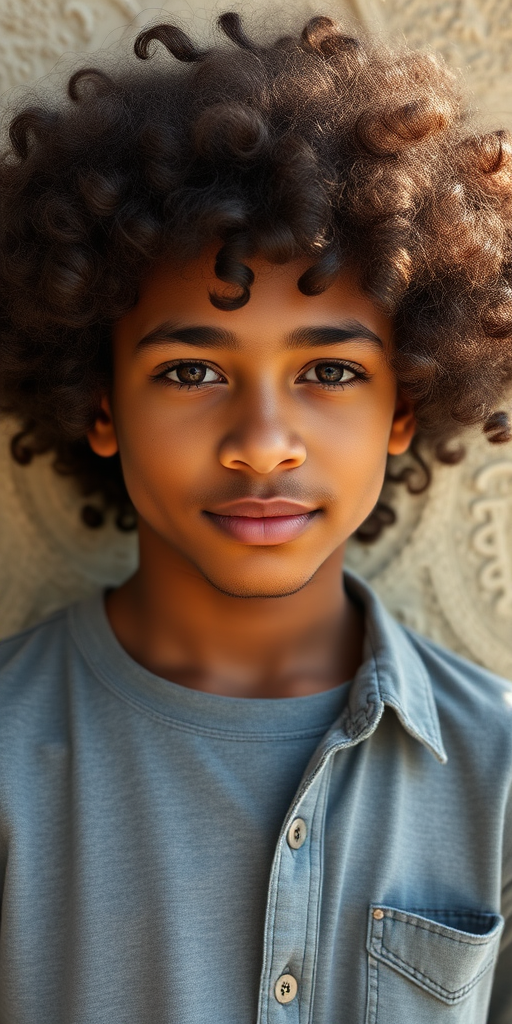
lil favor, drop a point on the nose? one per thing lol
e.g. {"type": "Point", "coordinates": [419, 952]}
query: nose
{"type": "Point", "coordinates": [262, 440]}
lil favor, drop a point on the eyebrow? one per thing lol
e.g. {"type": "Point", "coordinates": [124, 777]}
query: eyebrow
{"type": "Point", "coordinates": [215, 337]}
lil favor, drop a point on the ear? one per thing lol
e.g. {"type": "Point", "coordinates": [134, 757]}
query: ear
{"type": "Point", "coordinates": [102, 436]}
{"type": "Point", "coordinates": [402, 428]}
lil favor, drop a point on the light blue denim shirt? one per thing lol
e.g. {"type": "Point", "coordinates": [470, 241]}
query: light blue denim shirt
{"type": "Point", "coordinates": [176, 857]}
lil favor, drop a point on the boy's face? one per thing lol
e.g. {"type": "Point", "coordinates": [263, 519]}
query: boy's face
{"type": "Point", "coordinates": [219, 416]}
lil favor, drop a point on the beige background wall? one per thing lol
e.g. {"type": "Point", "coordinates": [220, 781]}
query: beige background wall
{"type": "Point", "coordinates": [446, 567]}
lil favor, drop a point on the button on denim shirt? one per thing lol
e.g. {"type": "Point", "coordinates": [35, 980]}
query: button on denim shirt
{"type": "Point", "coordinates": [388, 902]}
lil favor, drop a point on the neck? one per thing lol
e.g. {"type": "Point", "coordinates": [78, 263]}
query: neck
{"type": "Point", "coordinates": [171, 620]}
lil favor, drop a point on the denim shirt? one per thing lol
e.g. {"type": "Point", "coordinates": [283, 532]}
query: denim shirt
{"type": "Point", "coordinates": [394, 910]}
{"type": "Point", "coordinates": [389, 898]}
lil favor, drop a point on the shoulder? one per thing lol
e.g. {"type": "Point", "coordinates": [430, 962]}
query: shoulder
{"type": "Point", "coordinates": [28, 643]}
{"type": "Point", "coordinates": [474, 704]}
{"type": "Point", "coordinates": [33, 674]}
{"type": "Point", "coordinates": [451, 672]}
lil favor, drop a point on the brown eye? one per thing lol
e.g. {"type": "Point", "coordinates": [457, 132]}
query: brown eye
{"type": "Point", "coordinates": [330, 373]}
{"type": "Point", "coordinates": [190, 373]}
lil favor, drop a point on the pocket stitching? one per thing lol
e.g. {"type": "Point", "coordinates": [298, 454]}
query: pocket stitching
{"type": "Point", "coordinates": [438, 929]}
{"type": "Point", "coordinates": [448, 995]}
{"type": "Point", "coordinates": [375, 946]}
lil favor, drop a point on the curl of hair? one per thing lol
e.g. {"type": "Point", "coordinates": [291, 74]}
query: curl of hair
{"type": "Point", "coordinates": [342, 150]}
{"type": "Point", "coordinates": [177, 42]}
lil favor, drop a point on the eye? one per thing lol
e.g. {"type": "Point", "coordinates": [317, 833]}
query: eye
{"type": "Point", "coordinates": [332, 373]}
{"type": "Point", "coordinates": [192, 373]}
{"type": "Point", "coordinates": [189, 375]}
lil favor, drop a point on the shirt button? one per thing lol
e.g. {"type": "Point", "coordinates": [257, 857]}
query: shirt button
{"type": "Point", "coordinates": [297, 833]}
{"type": "Point", "coordinates": [286, 988]}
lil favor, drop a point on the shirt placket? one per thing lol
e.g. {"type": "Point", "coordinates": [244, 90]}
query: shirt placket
{"type": "Point", "coordinates": [293, 908]}
{"type": "Point", "coordinates": [290, 944]}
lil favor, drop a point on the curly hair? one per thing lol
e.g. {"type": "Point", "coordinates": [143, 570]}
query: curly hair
{"type": "Point", "coordinates": [341, 149]}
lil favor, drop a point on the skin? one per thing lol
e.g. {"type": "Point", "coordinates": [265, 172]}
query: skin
{"type": "Point", "coordinates": [248, 616]}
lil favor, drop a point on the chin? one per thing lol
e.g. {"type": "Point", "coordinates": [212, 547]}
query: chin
{"type": "Point", "coordinates": [258, 589]}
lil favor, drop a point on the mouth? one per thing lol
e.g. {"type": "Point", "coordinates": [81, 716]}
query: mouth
{"type": "Point", "coordinates": [248, 528]}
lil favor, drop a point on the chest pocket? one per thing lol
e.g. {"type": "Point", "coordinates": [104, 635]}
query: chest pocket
{"type": "Point", "coordinates": [432, 969]}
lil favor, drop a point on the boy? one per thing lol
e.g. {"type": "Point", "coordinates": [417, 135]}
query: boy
{"type": "Point", "coordinates": [233, 790]}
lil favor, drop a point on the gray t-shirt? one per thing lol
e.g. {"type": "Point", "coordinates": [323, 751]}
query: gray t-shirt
{"type": "Point", "coordinates": [169, 806]}
{"type": "Point", "coordinates": [174, 857]}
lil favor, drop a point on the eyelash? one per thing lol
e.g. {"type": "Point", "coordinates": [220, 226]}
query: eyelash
{"type": "Point", "coordinates": [359, 374]}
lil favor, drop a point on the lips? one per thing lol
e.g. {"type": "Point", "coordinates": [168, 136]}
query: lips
{"type": "Point", "coordinates": [250, 521]}
{"type": "Point", "coordinates": [257, 508]}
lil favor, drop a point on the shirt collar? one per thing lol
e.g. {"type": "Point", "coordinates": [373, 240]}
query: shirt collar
{"type": "Point", "coordinates": [392, 675]}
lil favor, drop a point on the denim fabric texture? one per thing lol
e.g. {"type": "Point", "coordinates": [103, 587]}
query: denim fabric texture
{"type": "Point", "coordinates": [147, 874]}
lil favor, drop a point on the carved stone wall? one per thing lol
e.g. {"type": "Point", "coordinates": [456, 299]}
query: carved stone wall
{"type": "Point", "coordinates": [445, 567]}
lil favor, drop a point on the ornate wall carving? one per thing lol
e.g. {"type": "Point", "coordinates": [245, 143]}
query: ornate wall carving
{"type": "Point", "coordinates": [445, 568]}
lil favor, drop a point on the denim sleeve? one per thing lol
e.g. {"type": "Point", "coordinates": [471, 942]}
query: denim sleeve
{"type": "Point", "coordinates": [500, 1011]}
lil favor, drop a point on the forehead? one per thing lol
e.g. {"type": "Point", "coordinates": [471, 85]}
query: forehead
{"type": "Point", "coordinates": [181, 291]}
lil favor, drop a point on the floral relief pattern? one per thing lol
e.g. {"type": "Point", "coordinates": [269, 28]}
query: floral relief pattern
{"type": "Point", "coordinates": [491, 538]}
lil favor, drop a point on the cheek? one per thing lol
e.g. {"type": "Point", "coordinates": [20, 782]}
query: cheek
{"type": "Point", "coordinates": [160, 454]}
{"type": "Point", "coordinates": [353, 450]}
{"type": "Point", "coordinates": [358, 428]}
